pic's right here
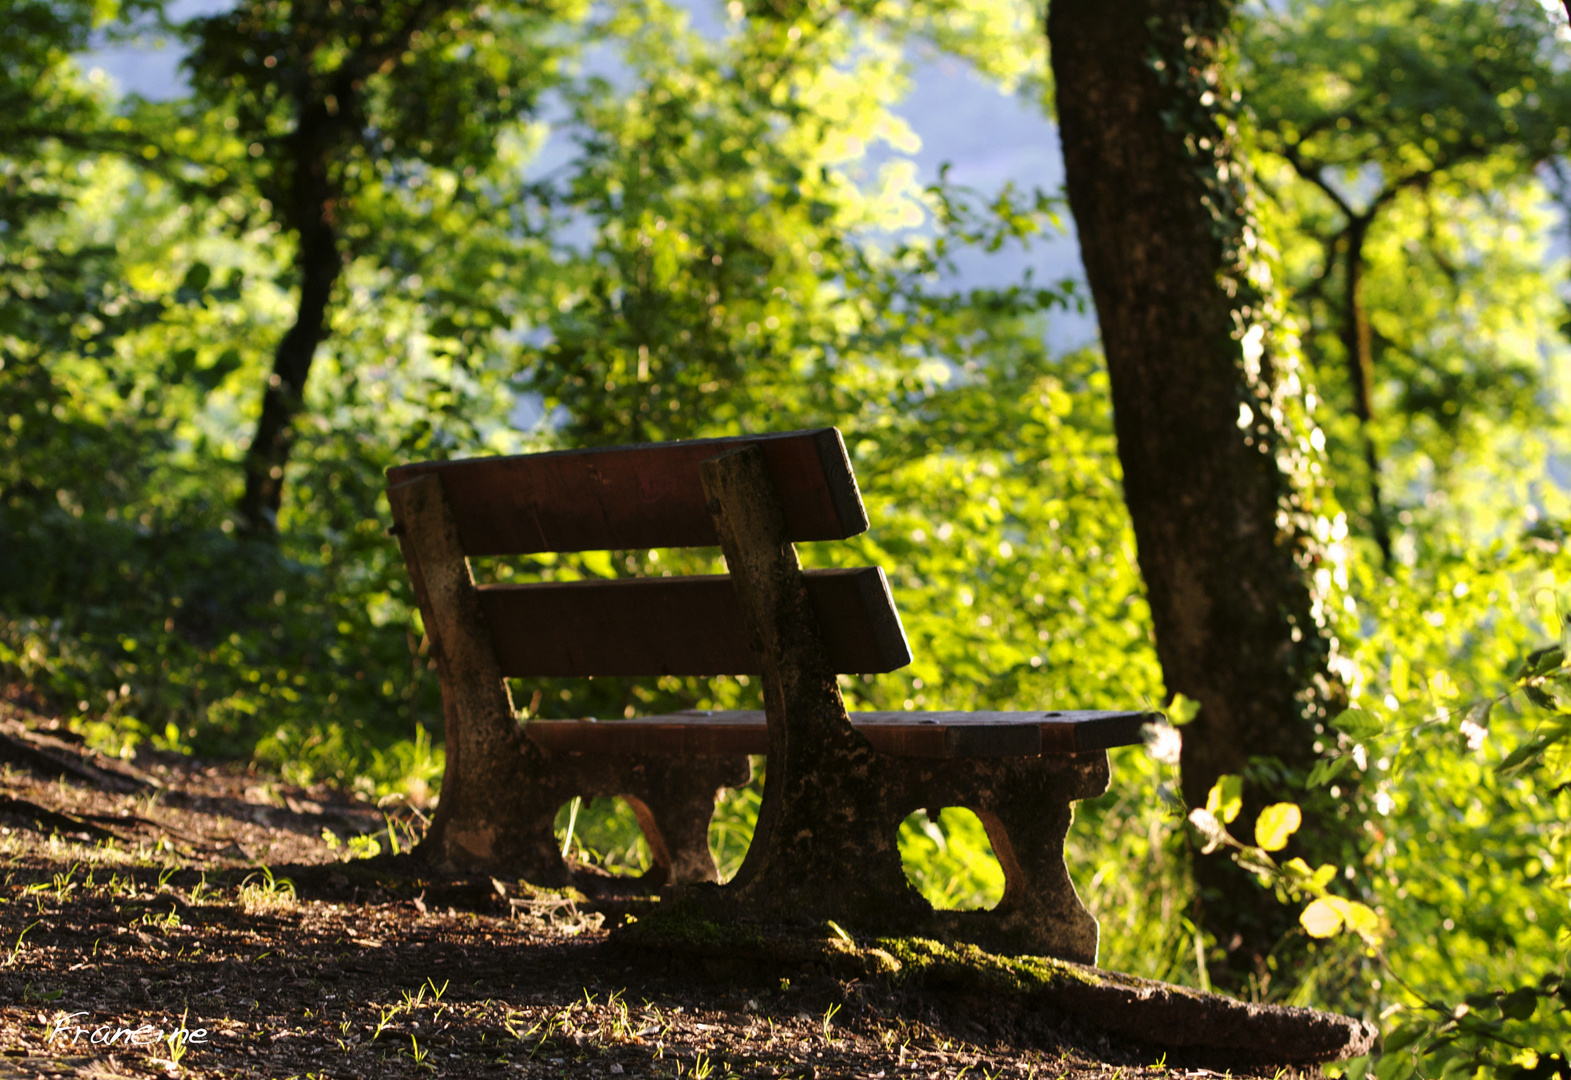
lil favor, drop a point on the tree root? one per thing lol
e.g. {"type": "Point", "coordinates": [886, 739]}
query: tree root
{"type": "Point", "coordinates": [20, 747]}
{"type": "Point", "coordinates": [55, 821]}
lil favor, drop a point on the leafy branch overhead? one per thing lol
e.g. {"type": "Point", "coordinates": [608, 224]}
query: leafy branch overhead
{"type": "Point", "coordinates": [1379, 123]}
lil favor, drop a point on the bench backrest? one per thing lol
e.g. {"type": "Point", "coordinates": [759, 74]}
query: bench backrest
{"type": "Point", "coordinates": [645, 497]}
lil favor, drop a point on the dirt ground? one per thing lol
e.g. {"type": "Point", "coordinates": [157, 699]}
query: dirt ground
{"type": "Point", "coordinates": [130, 916]}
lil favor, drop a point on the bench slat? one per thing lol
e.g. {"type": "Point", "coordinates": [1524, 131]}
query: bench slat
{"type": "Point", "coordinates": [899, 734]}
{"type": "Point", "coordinates": [680, 626]}
{"type": "Point", "coordinates": [646, 496]}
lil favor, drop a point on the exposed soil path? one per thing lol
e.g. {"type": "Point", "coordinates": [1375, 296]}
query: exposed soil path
{"type": "Point", "coordinates": [133, 908]}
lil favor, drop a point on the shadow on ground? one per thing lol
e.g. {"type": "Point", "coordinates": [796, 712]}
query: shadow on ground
{"type": "Point", "coordinates": [134, 905]}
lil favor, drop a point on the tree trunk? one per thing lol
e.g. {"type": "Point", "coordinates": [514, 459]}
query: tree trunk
{"type": "Point", "coordinates": [310, 201]}
{"type": "Point", "coordinates": [1212, 435]}
{"type": "Point", "coordinates": [1357, 342]}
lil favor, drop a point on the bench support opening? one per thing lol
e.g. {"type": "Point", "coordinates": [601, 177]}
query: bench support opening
{"type": "Point", "coordinates": [949, 858]}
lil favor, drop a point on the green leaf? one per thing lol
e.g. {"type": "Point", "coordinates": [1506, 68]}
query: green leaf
{"type": "Point", "coordinates": [1327, 770]}
{"type": "Point", "coordinates": [1358, 724]}
{"type": "Point", "coordinates": [1363, 921]}
{"type": "Point", "coordinates": [1456, 1067]}
{"type": "Point", "coordinates": [1395, 1066]}
{"type": "Point", "coordinates": [1296, 869]}
{"type": "Point", "coordinates": [1522, 754]}
{"type": "Point", "coordinates": [1479, 1027]}
{"type": "Point", "coordinates": [1538, 697]}
{"type": "Point", "coordinates": [1557, 687]}
{"type": "Point", "coordinates": [1519, 1004]}
{"type": "Point", "coordinates": [1540, 662]}
{"type": "Point", "coordinates": [1328, 915]}
{"type": "Point", "coordinates": [1226, 797]}
{"type": "Point", "coordinates": [1275, 824]}
{"type": "Point", "coordinates": [1182, 710]}
{"type": "Point", "coordinates": [1321, 919]}
{"type": "Point", "coordinates": [1404, 1036]}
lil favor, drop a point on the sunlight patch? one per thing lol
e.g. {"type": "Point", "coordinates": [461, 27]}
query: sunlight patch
{"type": "Point", "coordinates": [603, 832]}
{"type": "Point", "coordinates": [950, 861]}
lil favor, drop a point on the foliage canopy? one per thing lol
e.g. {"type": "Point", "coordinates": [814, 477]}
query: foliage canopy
{"type": "Point", "coordinates": [714, 252]}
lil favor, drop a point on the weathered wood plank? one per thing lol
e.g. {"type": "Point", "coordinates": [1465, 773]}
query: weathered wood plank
{"type": "Point", "coordinates": [680, 626]}
{"type": "Point", "coordinates": [898, 734]}
{"type": "Point", "coordinates": [643, 496]}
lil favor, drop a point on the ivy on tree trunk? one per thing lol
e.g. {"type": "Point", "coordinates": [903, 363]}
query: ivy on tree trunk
{"type": "Point", "coordinates": [1217, 451]}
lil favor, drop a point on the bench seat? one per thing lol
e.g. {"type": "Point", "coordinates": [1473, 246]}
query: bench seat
{"type": "Point", "coordinates": [897, 734]}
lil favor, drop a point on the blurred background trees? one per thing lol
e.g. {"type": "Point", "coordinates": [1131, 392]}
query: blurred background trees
{"type": "Point", "coordinates": [1404, 144]}
{"type": "Point", "coordinates": [367, 234]}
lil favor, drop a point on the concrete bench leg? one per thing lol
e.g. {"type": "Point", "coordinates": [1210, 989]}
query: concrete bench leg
{"type": "Point", "coordinates": [674, 808]}
{"type": "Point", "coordinates": [830, 851]}
{"type": "Point", "coordinates": [1026, 807]}
{"type": "Point", "coordinates": [509, 830]}
{"type": "Point", "coordinates": [825, 846]}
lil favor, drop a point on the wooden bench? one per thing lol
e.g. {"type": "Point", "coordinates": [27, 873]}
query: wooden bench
{"type": "Point", "coordinates": [837, 785]}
